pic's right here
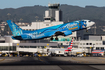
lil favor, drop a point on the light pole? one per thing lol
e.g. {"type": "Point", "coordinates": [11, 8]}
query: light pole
{"type": "Point", "coordinates": [18, 49]}
{"type": "Point", "coordinates": [8, 19]}
{"type": "Point", "coordinates": [9, 50]}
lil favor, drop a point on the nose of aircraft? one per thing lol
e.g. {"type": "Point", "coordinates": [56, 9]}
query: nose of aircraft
{"type": "Point", "coordinates": [90, 24]}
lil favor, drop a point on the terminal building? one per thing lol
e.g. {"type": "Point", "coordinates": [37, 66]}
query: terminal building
{"type": "Point", "coordinates": [8, 45]}
{"type": "Point", "coordinates": [53, 16]}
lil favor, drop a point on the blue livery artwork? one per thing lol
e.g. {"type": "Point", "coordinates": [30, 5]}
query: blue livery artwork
{"type": "Point", "coordinates": [62, 29]}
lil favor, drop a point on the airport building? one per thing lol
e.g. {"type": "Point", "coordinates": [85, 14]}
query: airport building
{"type": "Point", "coordinates": [8, 45]}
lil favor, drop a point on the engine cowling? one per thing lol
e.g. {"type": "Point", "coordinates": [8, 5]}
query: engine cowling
{"type": "Point", "coordinates": [66, 33]}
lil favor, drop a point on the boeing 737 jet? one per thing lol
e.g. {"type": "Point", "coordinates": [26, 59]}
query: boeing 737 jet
{"type": "Point", "coordinates": [62, 29]}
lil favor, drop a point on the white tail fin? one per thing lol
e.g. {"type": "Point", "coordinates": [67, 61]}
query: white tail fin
{"type": "Point", "coordinates": [70, 45]}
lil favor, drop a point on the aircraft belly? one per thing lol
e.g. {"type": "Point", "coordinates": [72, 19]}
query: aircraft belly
{"type": "Point", "coordinates": [37, 36]}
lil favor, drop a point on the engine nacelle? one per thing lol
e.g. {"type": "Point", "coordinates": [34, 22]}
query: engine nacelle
{"type": "Point", "coordinates": [66, 33]}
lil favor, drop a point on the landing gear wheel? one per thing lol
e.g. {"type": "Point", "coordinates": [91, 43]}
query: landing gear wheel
{"type": "Point", "coordinates": [51, 38]}
{"type": "Point", "coordinates": [56, 38]}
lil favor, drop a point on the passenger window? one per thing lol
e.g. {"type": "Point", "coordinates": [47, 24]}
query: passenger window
{"type": "Point", "coordinates": [86, 43]}
{"type": "Point", "coordinates": [102, 48]}
{"type": "Point", "coordinates": [97, 48]}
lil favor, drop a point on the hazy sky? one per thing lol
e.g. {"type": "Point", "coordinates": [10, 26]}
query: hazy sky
{"type": "Point", "coordinates": [21, 3]}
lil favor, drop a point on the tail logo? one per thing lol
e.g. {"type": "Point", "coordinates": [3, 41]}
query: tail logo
{"type": "Point", "coordinates": [16, 30]}
{"type": "Point", "coordinates": [70, 45]}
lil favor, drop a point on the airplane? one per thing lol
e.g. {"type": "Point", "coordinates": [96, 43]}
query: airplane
{"type": "Point", "coordinates": [64, 51]}
{"type": "Point", "coordinates": [62, 29]}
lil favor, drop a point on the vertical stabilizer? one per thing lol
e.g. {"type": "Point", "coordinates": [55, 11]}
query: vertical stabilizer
{"type": "Point", "coordinates": [70, 44]}
{"type": "Point", "coordinates": [16, 30]}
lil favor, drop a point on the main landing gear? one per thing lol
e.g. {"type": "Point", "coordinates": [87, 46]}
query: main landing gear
{"type": "Point", "coordinates": [53, 38]}
{"type": "Point", "coordinates": [56, 38]}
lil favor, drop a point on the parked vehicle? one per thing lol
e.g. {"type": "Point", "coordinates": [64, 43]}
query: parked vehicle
{"type": "Point", "coordinates": [80, 55]}
{"type": "Point", "coordinates": [4, 55]}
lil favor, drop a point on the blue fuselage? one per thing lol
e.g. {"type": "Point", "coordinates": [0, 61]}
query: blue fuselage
{"type": "Point", "coordinates": [65, 29]}
{"type": "Point", "coordinates": [62, 29]}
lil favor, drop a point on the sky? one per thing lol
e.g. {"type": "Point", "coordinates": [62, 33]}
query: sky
{"type": "Point", "coordinates": [22, 3]}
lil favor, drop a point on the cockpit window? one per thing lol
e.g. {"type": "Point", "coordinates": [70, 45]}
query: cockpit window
{"type": "Point", "coordinates": [85, 21]}
{"type": "Point", "coordinates": [89, 20]}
